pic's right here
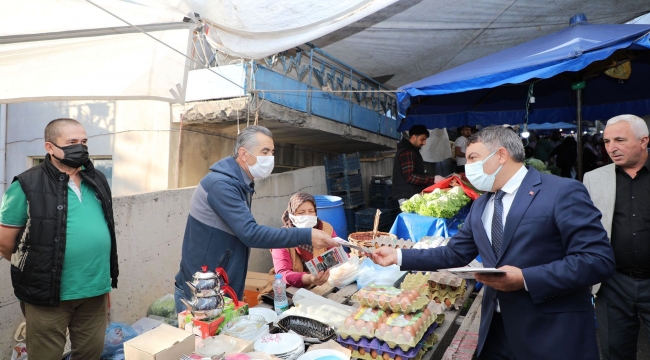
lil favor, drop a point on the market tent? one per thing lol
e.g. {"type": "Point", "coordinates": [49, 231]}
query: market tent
{"type": "Point", "coordinates": [67, 49]}
{"type": "Point", "coordinates": [551, 126]}
{"type": "Point", "coordinates": [494, 89]}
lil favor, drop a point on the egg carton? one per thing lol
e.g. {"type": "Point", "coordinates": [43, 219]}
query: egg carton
{"type": "Point", "coordinates": [416, 281]}
{"type": "Point", "coordinates": [390, 242]}
{"type": "Point", "coordinates": [364, 323]}
{"type": "Point", "coordinates": [444, 277]}
{"type": "Point", "coordinates": [397, 326]}
{"type": "Point", "coordinates": [447, 301]}
{"type": "Point", "coordinates": [378, 348]}
{"type": "Point", "coordinates": [391, 298]}
{"type": "Point", "coordinates": [448, 290]}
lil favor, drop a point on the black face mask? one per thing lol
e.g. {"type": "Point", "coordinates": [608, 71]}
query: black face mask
{"type": "Point", "coordinates": [74, 155]}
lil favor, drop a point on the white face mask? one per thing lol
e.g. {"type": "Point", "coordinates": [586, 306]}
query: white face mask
{"type": "Point", "coordinates": [263, 167]}
{"type": "Point", "coordinates": [478, 177]}
{"type": "Point", "coordinates": [304, 221]}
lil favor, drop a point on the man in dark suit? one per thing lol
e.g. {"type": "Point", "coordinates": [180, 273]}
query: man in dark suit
{"type": "Point", "coordinates": [545, 233]}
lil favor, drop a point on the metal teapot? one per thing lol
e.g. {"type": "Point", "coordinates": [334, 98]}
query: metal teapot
{"type": "Point", "coordinates": [210, 303]}
{"type": "Point", "coordinates": [207, 280]}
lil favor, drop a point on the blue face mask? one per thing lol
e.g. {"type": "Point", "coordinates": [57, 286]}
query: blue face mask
{"type": "Point", "coordinates": [478, 177]}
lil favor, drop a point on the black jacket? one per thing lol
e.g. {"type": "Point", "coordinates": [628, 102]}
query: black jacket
{"type": "Point", "coordinates": [402, 189]}
{"type": "Point", "coordinates": [37, 262]}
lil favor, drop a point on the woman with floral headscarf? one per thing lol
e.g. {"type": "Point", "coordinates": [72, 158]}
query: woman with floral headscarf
{"type": "Point", "coordinates": [300, 213]}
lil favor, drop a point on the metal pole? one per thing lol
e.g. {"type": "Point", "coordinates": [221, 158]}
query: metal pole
{"type": "Point", "coordinates": [579, 132]}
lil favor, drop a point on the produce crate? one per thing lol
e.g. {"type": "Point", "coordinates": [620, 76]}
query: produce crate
{"type": "Point", "coordinates": [365, 219]}
{"type": "Point", "coordinates": [351, 219]}
{"type": "Point", "coordinates": [344, 183]}
{"type": "Point", "coordinates": [351, 199]}
{"type": "Point", "coordinates": [342, 164]}
{"type": "Point", "coordinates": [379, 191]}
{"type": "Point", "coordinates": [379, 203]}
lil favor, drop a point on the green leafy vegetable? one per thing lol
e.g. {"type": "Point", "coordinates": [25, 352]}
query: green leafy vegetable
{"type": "Point", "coordinates": [440, 203]}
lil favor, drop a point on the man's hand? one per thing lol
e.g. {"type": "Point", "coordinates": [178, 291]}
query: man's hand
{"type": "Point", "coordinates": [320, 239]}
{"type": "Point", "coordinates": [320, 278]}
{"type": "Point", "coordinates": [512, 280]}
{"type": "Point", "coordinates": [385, 256]}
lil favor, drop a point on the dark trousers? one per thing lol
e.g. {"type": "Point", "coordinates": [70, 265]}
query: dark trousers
{"type": "Point", "coordinates": [621, 301]}
{"type": "Point", "coordinates": [86, 320]}
{"type": "Point", "coordinates": [496, 345]}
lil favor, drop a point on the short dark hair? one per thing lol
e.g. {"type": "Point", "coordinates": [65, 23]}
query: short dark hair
{"type": "Point", "coordinates": [494, 137]}
{"type": "Point", "coordinates": [417, 130]}
{"type": "Point", "coordinates": [53, 128]}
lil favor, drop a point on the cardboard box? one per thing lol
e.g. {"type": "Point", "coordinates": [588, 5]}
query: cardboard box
{"type": "Point", "coordinates": [256, 281]}
{"type": "Point", "coordinates": [162, 343]}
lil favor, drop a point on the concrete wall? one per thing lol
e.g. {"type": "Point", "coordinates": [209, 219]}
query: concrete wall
{"type": "Point", "coordinates": [150, 230]}
{"type": "Point", "coordinates": [136, 134]}
{"type": "Point", "coordinates": [202, 147]}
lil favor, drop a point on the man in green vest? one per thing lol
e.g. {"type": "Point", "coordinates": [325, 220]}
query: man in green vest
{"type": "Point", "coordinates": [56, 226]}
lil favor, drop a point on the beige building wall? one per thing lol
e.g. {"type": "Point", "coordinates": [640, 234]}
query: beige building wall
{"type": "Point", "coordinates": [135, 134]}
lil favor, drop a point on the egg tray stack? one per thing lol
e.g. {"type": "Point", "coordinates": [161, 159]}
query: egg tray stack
{"type": "Point", "coordinates": [397, 318]}
{"type": "Point", "coordinates": [447, 288]}
{"type": "Point", "coordinates": [374, 349]}
{"type": "Point", "coordinates": [417, 281]}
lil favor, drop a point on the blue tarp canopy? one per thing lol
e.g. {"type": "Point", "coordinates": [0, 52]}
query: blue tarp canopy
{"type": "Point", "coordinates": [494, 89]}
{"type": "Point", "coordinates": [551, 126]}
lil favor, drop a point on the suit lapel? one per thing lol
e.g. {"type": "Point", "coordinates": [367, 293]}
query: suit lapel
{"type": "Point", "coordinates": [525, 195]}
{"type": "Point", "coordinates": [478, 229]}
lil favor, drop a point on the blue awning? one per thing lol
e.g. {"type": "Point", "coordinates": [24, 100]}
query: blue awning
{"type": "Point", "coordinates": [493, 89]}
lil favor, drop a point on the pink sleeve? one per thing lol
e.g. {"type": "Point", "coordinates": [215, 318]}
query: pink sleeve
{"type": "Point", "coordinates": [284, 266]}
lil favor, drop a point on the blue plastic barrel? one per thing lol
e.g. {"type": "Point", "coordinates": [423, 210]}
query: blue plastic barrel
{"type": "Point", "coordinates": [330, 209]}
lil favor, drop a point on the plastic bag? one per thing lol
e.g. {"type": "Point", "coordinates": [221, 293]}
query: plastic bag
{"type": "Point", "coordinates": [346, 273]}
{"type": "Point", "coordinates": [164, 306]}
{"type": "Point", "coordinates": [371, 273]}
{"type": "Point", "coordinates": [116, 335]}
{"type": "Point", "coordinates": [19, 352]}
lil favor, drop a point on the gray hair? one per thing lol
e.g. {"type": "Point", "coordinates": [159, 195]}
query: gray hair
{"type": "Point", "coordinates": [638, 125]}
{"type": "Point", "coordinates": [494, 137]}
{"type": "Point", "coordinates": [247, 138]}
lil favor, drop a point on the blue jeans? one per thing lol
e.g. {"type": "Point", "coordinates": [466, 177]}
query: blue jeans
{"type": "Point", "coordinates": [178, 295]}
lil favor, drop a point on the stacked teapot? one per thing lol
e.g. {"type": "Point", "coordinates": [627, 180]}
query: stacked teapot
{"type": "Point", "coordinates": [208, 289]}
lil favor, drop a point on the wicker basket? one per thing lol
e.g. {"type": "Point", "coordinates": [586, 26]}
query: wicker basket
{"type": "Point", "coordinates": [365, 238]}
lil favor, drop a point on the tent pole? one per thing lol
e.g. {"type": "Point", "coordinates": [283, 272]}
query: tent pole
{"type": "Point", "coordinates": [579, 133]}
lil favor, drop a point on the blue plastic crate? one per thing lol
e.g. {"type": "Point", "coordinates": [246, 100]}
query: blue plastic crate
{"type": "Point", "coordinates": [342, 163]}
{"type": "Point", "coordinates": [379, 190]}
{"type": "Point", "coordinates": [351, 219]}
{"type": "Point", "coordinates": [382, 203]}
{"type": "Point", "coordinates": [344, 183]}
{"type": "Point", "coordinates": [352, 199]}
{"type": "Point", "coordinates": [366, 218]}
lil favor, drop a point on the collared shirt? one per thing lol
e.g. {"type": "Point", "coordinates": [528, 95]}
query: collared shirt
{"type": "Point", "coordinates": [630, 229]}
{"type": "Point", "coordinates": [510, 188]}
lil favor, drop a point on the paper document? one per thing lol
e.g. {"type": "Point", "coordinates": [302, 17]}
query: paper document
{"type": "Point", "coordinates": [468, 272]}
{"type": "Point", "coordinates": [327, 260]}
{"type": "Point", "coordinates": [351, 246]}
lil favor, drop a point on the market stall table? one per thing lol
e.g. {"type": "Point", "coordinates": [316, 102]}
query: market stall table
{"type": "Point", "coordinates": [343, 295]}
